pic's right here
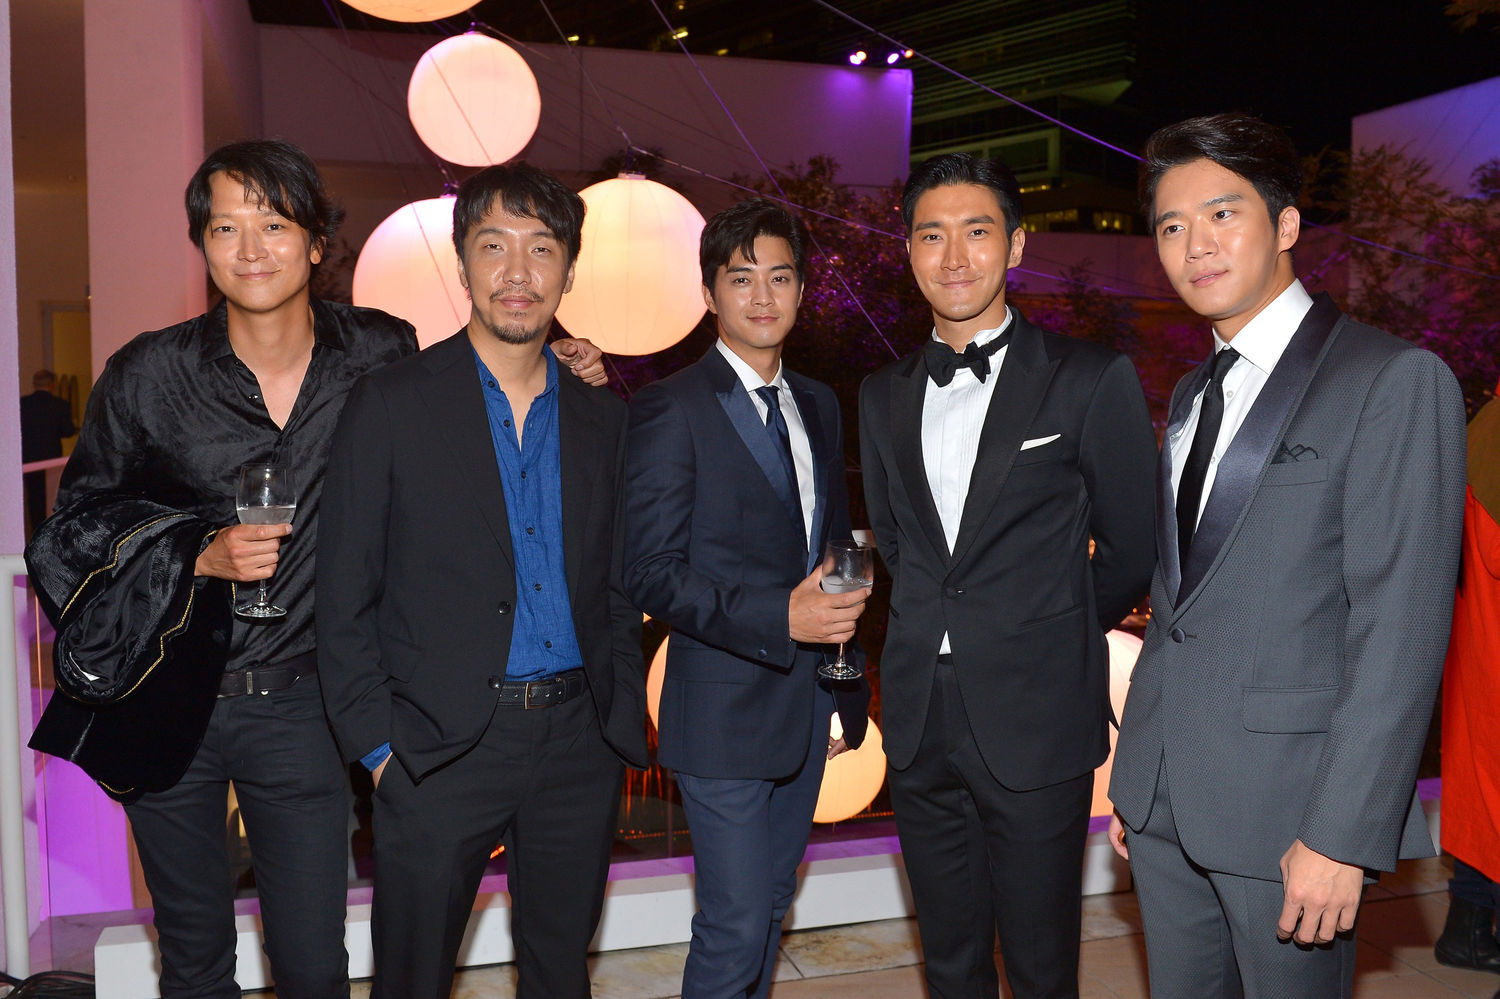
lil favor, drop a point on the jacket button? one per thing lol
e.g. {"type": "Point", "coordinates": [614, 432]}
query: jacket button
{"type": "Point", "coordinates": [953, 591]}
{"type": "Point", "coordinates": [496, 682]}
{"type": "Point", "coordinates": [504, 607]}
{"type": "Point", "coordinates": [1178, 636]}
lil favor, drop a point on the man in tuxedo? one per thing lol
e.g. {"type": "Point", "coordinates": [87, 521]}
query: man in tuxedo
{"type": "Point", "coordinates": [1310, 501]}
{"type": "Point", "coordinates": [734, 485]}
{"type": "Point", "coordinates": [992, 458]}
{"type": "Point", "coordinates": [45, 420]}
{"type": "Point", "coordinates": [479, 655]}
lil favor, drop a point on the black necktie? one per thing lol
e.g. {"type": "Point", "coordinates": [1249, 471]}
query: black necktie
{"type": "Point", "coordinates": [1210, 418]}
{"type": "Point", "coordinates": [943, 361]}
{"type": "Point", "coordinates": [776, 427]}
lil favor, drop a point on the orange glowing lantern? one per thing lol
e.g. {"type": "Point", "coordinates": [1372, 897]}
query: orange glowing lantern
{"type": "Point", "coordinates": [851, 779]}
{"type": "Point", "coordinates": [409, 268]}
{"type": "Point", "coordinates": [655, 675]}
{"type": "Point", "coordinates": [638, 288]}
{"type": "Point", "coordinates": [411, 10]}
{"type": "Point", "coordinates": [1124, 649]}
{"type": "Point", "coordinates": [473, 100]}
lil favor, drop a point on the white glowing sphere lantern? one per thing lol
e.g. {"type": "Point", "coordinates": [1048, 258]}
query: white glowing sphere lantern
{"type": "Point", "coordinates": [1124, 650]}
{"type": "Point", "coordinates": [411, 11]}
{"type": "Point", "coordinates": [853, 778]}
{"type": "Point", "coordinates": [409, 268]}
{"type": "Point", "coordinates": [638, 287]}
{"type": "Point", "coordinates": [473, 100]}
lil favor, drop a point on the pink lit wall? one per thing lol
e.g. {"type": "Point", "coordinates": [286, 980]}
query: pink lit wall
{"type": "Point", "coordinates": [1455, 130]}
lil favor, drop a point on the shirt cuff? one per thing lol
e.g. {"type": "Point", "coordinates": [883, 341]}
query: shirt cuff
{"type": "Point", "coordinates": [375, 757]}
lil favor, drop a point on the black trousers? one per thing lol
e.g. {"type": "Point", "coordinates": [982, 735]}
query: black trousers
{"type": "Point", "coordinates": [293, 796]}
{"type": "Point", "coordinates": [982, 858]}
{"type": "Point", "coordinates": [544, 783]}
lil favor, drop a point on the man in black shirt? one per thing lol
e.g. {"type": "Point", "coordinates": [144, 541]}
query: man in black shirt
{"type": "Point", "coordinates": [45, 421]}
{"type": "Point", "coordinates": [261, 377]}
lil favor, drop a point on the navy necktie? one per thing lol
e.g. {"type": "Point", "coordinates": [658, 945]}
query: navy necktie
{"type": "Point", "coordinates": [777, 428]}
{"type": "Point", "coordinates": [1210, 419]}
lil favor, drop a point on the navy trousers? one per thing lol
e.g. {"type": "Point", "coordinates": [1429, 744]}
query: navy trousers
{"type": "Point", "coordinates": [748, 840]}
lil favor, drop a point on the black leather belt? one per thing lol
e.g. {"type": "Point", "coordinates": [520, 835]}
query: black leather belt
{"type": "Point", "coordinates": [264, 679]}
{"type": "Point", "coordinates": [546, 693]}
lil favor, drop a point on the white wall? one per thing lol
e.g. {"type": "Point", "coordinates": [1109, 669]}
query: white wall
{"type": "Point", "coordinates": [1455, 131]}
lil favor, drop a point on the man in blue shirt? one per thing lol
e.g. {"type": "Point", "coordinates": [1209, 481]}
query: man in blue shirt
{"type": "Point", "coordinates": [482, 660]}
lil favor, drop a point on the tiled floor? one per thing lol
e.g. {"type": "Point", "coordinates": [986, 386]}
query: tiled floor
{"type": "Point", "coordinates": [1398, 924]}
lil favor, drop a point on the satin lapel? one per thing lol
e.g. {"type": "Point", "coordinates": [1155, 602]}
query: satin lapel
{"type": "Point", "coordinates": [908, 392]}
{"type": "Point", "coordinates": [580, 440]}
{"type": "Point", "coordinates": [1021, 385]}
{"type": "Point", "coordinates": [821, 445]}
{"type": "Point", "coordinates": [459, 420]}
{"type": "Point", "coordinates": [1245, 461]}
{"type": "Point", "coordinates": [741, 411]}
{"type": "Point", "coordinates": [1166, 500]}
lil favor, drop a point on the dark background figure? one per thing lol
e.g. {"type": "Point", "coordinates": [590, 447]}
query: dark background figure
{"type": "Point", "coordinates": [45, 420]}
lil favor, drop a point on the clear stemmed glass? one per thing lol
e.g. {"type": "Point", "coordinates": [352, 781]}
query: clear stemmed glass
{"type": "Point", "coordinates": [267, 495]}
{"type": "Point", "coordinates": [847, 566]}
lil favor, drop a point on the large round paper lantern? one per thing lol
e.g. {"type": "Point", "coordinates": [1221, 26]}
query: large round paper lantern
{"type": "Point", "coordinates": [411, 10]}
{"type": "Point", "coordinates": [638, 288]}
{"type": "Point", "coordinates": [655, 676]}
{"type": "Point", "coordinates": [408, 267]}
{"type": "Point", "coordinates": [853, 778]}
{"type": "Point", "coordinates": [1124, 649]}
{"type": "Point", "coordinates": [473, 100]}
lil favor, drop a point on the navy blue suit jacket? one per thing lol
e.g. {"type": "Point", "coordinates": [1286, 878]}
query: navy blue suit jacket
{"type": "Point", "coordinates": [712, 550]}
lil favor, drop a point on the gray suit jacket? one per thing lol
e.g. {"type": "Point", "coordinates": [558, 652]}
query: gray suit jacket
{"type": "Point", "coordinates": [1288, 674]}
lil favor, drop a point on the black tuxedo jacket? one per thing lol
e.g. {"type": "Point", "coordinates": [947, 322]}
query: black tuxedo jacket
{"type": "Point", "coordinates": [713, 551]}
{"type": "Point", "coordinates": [1066, 453]}
{"type": "Point", "coordinates": [416, 578]}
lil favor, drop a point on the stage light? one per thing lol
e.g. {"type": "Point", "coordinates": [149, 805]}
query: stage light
{"type": "Point", "coordinates": [473, 100]}
{"type": "Point", "coordinates": [637, 288]}
{"type": "Point", "coordinates": [858, 58]}
{"type": "Point", "coordinates": [892, 59]}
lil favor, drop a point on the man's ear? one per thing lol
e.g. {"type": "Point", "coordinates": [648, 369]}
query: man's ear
{"type": "Point", "coordinates": [708, 299]}
{"type": "Point", "coordinates": [1288, 227]}
{"type": "Point", "coordinates": [1017, 244]}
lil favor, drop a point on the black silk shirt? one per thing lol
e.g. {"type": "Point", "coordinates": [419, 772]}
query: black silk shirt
{"type": "Point", "coordinates": [175, 414]}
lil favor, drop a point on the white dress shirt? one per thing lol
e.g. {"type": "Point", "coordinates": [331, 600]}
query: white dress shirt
{"type": "Point", "coordinates": [1261, 343]}
{"type": "Point", "coordinates": [796, 429]}
{"type": "Point", "coordinates": [952, 417]}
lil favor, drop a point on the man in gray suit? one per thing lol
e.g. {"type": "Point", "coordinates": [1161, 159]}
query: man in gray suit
{"type": "Point", "coordinates": [1310, 499]}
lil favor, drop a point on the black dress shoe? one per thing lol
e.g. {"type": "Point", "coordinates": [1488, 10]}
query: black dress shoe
{"type": "Point", "coordinates": [1468, 939]}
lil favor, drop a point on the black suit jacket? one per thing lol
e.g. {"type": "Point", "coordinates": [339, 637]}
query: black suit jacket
{"type": "Point", "coordinates": [416, 578]}
{"type": "Point", "coordinates": [713, 551]}
{"type": "Point", "coordinates": [1066, 454]}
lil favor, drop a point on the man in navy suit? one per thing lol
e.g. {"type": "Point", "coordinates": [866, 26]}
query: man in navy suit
{"type": "Point", "coordinates": [734, 485]}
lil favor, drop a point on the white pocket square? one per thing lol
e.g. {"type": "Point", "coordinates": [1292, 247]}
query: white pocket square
{"type": "Point", "coordinates": [1039, 441]}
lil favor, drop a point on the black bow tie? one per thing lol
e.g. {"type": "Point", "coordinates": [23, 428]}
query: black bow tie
{"type": "Point", "coordinates": [943, 361]}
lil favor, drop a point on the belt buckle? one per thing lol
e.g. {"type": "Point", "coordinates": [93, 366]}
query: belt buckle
{"type": "Point", "coordinates": [250, 680]}
{"type": "Point", "coordinates": [537, 685]}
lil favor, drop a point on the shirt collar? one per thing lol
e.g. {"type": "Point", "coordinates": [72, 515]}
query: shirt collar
{"type": "Point", "coordinates": [1264, 338]}
{"type": "Point", "coordinates": [983, 336]}
{"type": "Point", "coordinates": [216, 346]}
{"type": "Point", "coordinates": [748, 376]}
{"type": "Point", "coordinates": [485, 376]}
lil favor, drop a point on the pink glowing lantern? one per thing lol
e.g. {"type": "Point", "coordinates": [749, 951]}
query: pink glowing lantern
{"type": "Point", "coordinates": [637, 288]}
{"type": "Point", "coordinates": [473, 100]}
{"type": "Point", "coordinates": [851, 779]}
{"type": "Point", "coordinates": [411, 10]}
{"type": "Point", "coordinates": [408, 267]}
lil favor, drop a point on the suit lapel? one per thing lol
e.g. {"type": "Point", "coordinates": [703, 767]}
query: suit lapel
{"type": "Point", "coordinates": [908, 392]}
{"type": "Point", "coordinates": [579, 444]}
{"type": "Point", "coordinates": [1240, 469]}
{"type": "Point", "coordinates": [1019, 387]}
{"type": "Point", "coordinates": [821, 444]}
{"type": "Point", "coordinates": [1166, 499]}
{"type": "Point", "coordinates": [735, 400]}
{"type": "Point", "coordinates": [454, 397]}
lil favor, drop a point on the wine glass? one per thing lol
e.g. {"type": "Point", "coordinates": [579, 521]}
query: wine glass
{"type": "Point", "coordinates": [267, 495]}
{"type": "Point", "coordinates": [847, 566]}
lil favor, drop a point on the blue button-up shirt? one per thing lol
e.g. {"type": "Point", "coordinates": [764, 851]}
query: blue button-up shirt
{"type": "Point", "coordinates": [543, 641]}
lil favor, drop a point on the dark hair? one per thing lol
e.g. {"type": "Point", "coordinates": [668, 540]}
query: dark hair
{"type": "Point", "coordinates": [273, 172]}
{"type": "Point", "coordinates": [961, 168]}
{"type": "Point", "coordinates": [737, 227]}
{"type": "Point", "coordinates": [43, 377]}
{"type": "Point", "coordinates": [526, 192]}
{"type": "Point", "coordinates": [1240, 143]}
